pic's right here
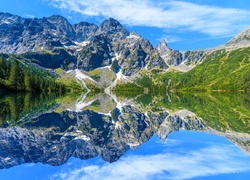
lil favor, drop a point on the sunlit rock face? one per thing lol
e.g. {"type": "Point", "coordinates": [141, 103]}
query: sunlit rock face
{"type": "Point", "coordinates": [240, 41]}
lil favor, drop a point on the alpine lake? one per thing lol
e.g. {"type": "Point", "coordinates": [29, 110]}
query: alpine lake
{"type": "Point", "coordinates": [98, 136]}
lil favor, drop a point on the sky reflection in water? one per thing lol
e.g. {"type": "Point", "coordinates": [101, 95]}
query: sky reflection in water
{"type": "Point", "coordinates": [184, 155]}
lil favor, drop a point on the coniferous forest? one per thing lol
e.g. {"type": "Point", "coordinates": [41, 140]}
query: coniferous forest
{"type": "Point", "coordinates": [17, 76]}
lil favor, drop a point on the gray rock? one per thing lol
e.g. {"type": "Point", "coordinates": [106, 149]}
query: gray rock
{"type": "Point", "coordinates": [94, 55]}
{"type": "Point", "coordinates": [84, 30]}
{"type": "Point", "coordinates": [176, 58]}
{"type": "Point", "coordinates": [133, 53]}
{"type": "Point", "coordinates": [240, 41]}
{"type": "Point", "coordinates": [113, 30]}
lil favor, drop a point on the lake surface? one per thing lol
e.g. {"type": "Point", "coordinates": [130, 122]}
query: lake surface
{"type": "Point", "coordinates": [167, 136]}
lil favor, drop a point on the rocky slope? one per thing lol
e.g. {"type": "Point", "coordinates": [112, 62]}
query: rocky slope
{"type": "Point", "coordinates": [53, 42]}
{"type": "Point", "coordinates": [240, 41]}
{"type": "Point", "coordinates": [183, 61]}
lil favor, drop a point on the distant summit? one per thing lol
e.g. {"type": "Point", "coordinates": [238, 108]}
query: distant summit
{"type": "Point", "coordinates": [241, 40]}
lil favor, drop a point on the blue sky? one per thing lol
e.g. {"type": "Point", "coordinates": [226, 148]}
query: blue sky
{"type": "Point", "coordinates": [184, 155]}
{"type": "Point", "coordinates": [184, 24]}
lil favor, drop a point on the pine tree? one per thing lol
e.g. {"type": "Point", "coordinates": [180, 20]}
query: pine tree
{"type": "Point", "coordinates": [16, 106]}
{"type": "Point", "coordinates": [15, 78]}
{"type": "Point", "coordinates": [2, 67]}
{"type": "Point", "coordinates": [37, 82]}
{"type": "Point", "coordinates": [28, 81]}
{"type": "Point", "coordinates": [27, 102]}
{"type": "Point", "coordinates": [7, 70]}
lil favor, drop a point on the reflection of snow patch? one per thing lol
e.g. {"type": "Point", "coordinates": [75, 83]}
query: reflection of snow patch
{"type": "Point", "coordinates": [131, 145]}
{"type": "Point", "coordinates": [54, 32]}
{"type": "Point", "coordinates": [119, 76]}
{"type": "Point", "coordinates": [84, 43]}
{"type": "Point", "coordinates": [117, 56]}
{"type": "Point", "coordinates": [83, 137]}
{"type": "Point", "coordinates": [119, 106]}
{"type": "Point", "coordinates": [6, 159]}
{"type": "Point", "coordinates": [105, 114]}
{"type": "Point", "coordinates": [78, 135]}
{"type": "Point", "coordinates": [69, 71]}
{"type": "Point", "coordinates": [117, 125]}
{"type": "Point", "coordinates": [83, 85]}
{"type": "Point", "coordinates": [5, 22]}
{"type": "Point", "coordinates": [79, 106]}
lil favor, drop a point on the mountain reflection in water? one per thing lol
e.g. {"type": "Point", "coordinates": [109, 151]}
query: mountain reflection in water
{"type": "Point", "coordinates": [39, 128]}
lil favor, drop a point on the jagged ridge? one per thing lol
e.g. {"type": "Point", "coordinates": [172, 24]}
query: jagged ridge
{"type": "Point", "coordinates": [53, 42]}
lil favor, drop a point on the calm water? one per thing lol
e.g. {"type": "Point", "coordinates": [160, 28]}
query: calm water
{"type": "Point", "coordinates": [170, 136]}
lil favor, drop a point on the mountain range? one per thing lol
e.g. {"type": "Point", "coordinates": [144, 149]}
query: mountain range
{"type": "Point", "coordinates": [53, 43]}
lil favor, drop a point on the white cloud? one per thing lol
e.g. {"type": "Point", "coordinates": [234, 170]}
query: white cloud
{"type": "Point", "coordinates": [183, 164]}
{"type": "Point", "coordinates": [29, 165]}
{"type": "Point", "coordinates": [29, 16]}
{"type": "Point", "coordinates": [170, 38]}
{"type": "Point", "coordinates": [171, 14]}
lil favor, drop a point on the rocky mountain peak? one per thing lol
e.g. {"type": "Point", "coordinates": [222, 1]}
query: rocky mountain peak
{"type": "Point", "coordinates": [163, 43]}
{"type": "Point", "coordinates": [112, 26]}
{"type": "Point", "coordinates": [162, 47]}
{"type": "Point", "coordinates": [62, 24]}
{"type": "Point", "coordinates": [56, 18]}
{"type": "Point", "coordinates": [6, 18]}
{"type": "Point", "coordinates": [134, 36]}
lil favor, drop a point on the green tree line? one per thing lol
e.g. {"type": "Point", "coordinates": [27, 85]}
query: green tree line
{"type": "Point", "coordinates": [16, 106]}
{"type": "Point", "coordinates": [17, 78]}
